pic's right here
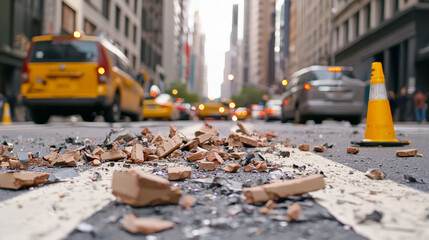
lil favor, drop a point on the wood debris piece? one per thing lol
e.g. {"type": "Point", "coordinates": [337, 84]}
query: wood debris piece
{"type": "Point", "coordinates": [294, 211]}
{"type": "Point", "coordinates": [144, 225]}
{"type": "Point", "coordinates": [353, 150]}
{"type": "Point", "coordinates": [138, 189]}
{"type": "Point", "coordinates": [168, 146]}
{"type": "Point", "coordinates": [232, 167]}
{"type": "Point", "coordinates": [283, 189]}
{"type": "Point", "coordinates": [19, 179]}
{"type": "Point", "coordinates": [177, 173]}
{"type": "Point", "coordinates": [406, 153]}
{"type": "Point", "coordinates": [304, 147]}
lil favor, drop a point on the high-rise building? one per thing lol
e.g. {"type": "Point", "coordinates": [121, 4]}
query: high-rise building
{"type": "Point", "coordinates": [197, 79]}
{"type": "Point", "coordinates": [393, 32]}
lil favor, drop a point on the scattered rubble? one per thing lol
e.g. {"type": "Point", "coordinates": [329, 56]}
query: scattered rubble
{"type": "Point", "coordinates": [406, 153]}
{"type": "Point", "coordinates": [375, 174]}
{"type": "Point", "coordinates": [178, 173]}
{"type": "Point", "coordinates": [319, 148]}
{"type": "Point", "coordinates": [233, 167]}
{"type": "Point", "coordinates": [294, 211]}
{"type": "Point", "coordinates": [304, 147]}
{"type": "Point", "coordinates": [134, 224]}
{"type": "Point", "coordinates": [188, 201]}
{"type": "Point", "coordinates": [353, 150]}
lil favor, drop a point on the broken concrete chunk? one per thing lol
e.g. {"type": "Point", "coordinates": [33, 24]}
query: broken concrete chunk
{"type": "Point", "coordinates": [168, 146]}
{"type": "Point", "coordinates": [17, 180]}
{"type": "Point", "coordinates": [145, 225]}
{"type": "Point", "coordinates": [294, 211]}
{"type": "Point", "coordinates": [283, 189]}
{"type": "Point", "coordinates": [304, 147]}
{"type": "Point", "coordinates": [353, 150]}
{"type": "Point", "coordinates": [319, 148]}
{"type": "Point", "coordinates": [232, 167]}
{"type": "Point", "coordinates": [250, 141]}
{"type": "Point", "coordinates": [177, 173]}
{"type": "Point", "coordinates": [137, 153]}
{"type": "Point", "coordinates": [113, 155]}
{"type": "Point", "coordinates": [406, 153]}
{"type": "Point", "coordinates": [208, 166]}
{"type": "Point", "coordinates": [139, 189]}
{"type": "Point", "coordinates": [196, 156]}
{"type": "Point", "coordinates": [375, 174]}
{"type": "Point", "coordinates": [188, 201]}
{"type": "Point", "coordinates": [243, 129]}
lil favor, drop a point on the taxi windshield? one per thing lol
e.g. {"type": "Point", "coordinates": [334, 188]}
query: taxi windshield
{"type": "Point", "coordinates": [64, 51]}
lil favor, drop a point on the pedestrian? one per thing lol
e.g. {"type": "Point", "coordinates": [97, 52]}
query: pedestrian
{"type": "Point", "coordinates": [392, 103]}
{"type": "Point", "coordinates": [402, 104]}
{"type": "Point", "coordinates": [420, 105]}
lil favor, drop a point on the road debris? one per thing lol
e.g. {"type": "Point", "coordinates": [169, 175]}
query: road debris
{"type": "Point", "coordinates": [304, 147]}
{"type": "Point", "coordinates": [188, 201]}
{"type": "Point", "coordinates": [353, 150]}
{"type": "Point", "coordinates": [406, 153]}
{"type": "Point", "coordinates": [139, 189]}
{"type": "Point", "coordinates": [144, 225]}
{"type": "Point", "coordinates": [375, 174]}
{"type": "Point", "coordinates": [319, 148]}
{"type": "Point", "coordinates": [178, 173]}
{"type": "Point", "coordinates": [294, 211]}
{"type": "Point", "coordinates": [19, 179]}
{"type": "Point", "coordinates": [232, 167]}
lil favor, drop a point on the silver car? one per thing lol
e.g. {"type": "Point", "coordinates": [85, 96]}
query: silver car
{"type": "Point", "coordinates": [273, 109]}
{"type": "Point", "coordinates": [320, 92]}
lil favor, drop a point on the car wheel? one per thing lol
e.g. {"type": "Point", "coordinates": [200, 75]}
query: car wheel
{"type": "Point", "coordinates": [298, 118]}
{"type": "Point", "coordinates": [88, 116]}
{"type": "Point", "coordinates": [355, 120]}
{"type": "Point", "coordinates": [113, 112]}
{"type": "Point", "coordinates": [283, 119]}
{"type": "Point", "coordinates": [318, 120]}
{"type": "Point", "coordinates": [39, 116]}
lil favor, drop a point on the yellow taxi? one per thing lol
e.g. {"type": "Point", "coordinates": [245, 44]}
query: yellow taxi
{"type": "Point", "coordinates": [160, 106]}
{"type": "Point", "coordinates": [76, 74]}
{"type": "Point", "coordinates": [213, 108]}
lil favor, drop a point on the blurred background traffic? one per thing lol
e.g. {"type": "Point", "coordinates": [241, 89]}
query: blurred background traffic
{"type": "Point", "coordinates": [286, 60]}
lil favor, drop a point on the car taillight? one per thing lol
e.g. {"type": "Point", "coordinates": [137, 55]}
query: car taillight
{"type": "Point", "coordinates": [103, 65]}
{"type": "Point", "coordinates": [25, 71]}
{"type": "Point", "coordinates": [307, 86]}
{"type": "Point", "coordinates": [164, 106]}
{"type": "Point", "coordinates": [285, 102]}
{"type": "Point", "coordinates": [271, 111]}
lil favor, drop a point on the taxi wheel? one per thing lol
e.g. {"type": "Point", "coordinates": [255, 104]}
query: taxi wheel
{"type": "Point", "coordinates": [113, 112]}
{"type": "Point", "coordinates": [39, 116]}
{"type": "Point", "coordinates": [88, 116]}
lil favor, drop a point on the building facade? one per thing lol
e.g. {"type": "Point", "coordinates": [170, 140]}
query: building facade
{"type": "Point", "coordinates": [197, 77]}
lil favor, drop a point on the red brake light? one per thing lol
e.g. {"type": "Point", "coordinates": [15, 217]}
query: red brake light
{"type": "Point", "coordinates": [25, 71]}
{"type": "Point", "coordinates": [334, 69]}
{"type": "Point", "coordinates": [285, 102]}
{"type": "Point", "coordinates": [307, 86]}
{"type": "Point", "coordinates": [103, 65]}
{"type": "Point", "coordinates": [271, 111]}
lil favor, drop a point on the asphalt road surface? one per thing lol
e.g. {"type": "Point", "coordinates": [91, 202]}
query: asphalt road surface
{"type": "Point", "coordinates": [89, 211]}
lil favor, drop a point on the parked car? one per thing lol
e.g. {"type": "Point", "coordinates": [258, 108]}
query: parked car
{"type": "Point", "coordinates": [320, 92]}
{"type": "Point", "coordinates": [160, 106]}
{"type": "Point", "coordinates": [273, 109]}
{"type": "Point", "coordinates": [258, 111]}
{"type": "Point", "coordinates": [77, 74]}
{"type": "Point", "coordinates": [241, 113]}
{"type": "Point", "coordinates": [213, 108]}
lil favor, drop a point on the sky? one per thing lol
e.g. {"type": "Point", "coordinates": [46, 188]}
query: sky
{"type": "Point", "coordinates": [216, 19]}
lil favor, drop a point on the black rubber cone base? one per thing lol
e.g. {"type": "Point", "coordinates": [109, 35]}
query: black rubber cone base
{"type": "Point", "coordinates": [382, 144]}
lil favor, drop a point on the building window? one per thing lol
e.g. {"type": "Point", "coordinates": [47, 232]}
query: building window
{"type": "Point", "coordinates": [135, 6]}
{"type": "Point", "coordinates": [357, 25]}
{"type": "Point", "coordinates": [88, 27]}
{"type": "Point", "coordinates": [68, 21]}
{"type": "Point", "coordinates": [368, 15]}
{"type": "Point", "coordinates": [144, 22]}
{"type": "Point", "coordinates": [134, 34]}
{"type": "Point", "coordinates": [396, 6]}
{"type": "Point", "coordinates": [105, 8]}
{"type": "Point", "coordinates": [142, 50]}
{"type": "Point", "coordinates": [381, 11]}
{"type": "Point", "coordinates": [127, 22]}
{"type": "Point", "coordinates": [346, 32]}
{"type": "Point", "coordinates": [134, 61]}
{"type": "Point", "coordinates": [117, 17]}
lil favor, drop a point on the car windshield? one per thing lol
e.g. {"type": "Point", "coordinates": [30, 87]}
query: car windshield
{"type": "Point", "coordinates": [64, 51]}
{"type": "Point", "coordinates": [325, 74]}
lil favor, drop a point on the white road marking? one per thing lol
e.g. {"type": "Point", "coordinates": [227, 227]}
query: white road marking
{"type": "Point", "coordinates": [350, 196]}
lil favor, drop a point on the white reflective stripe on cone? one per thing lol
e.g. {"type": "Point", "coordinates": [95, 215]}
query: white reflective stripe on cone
{"type": "Point", "coordinates": [377, 91]}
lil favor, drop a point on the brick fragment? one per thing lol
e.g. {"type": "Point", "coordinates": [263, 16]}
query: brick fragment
{"type": "Point", "coordinates": [232, 167]}
{"type": "Point", "coordinates": [243, 129]}
{"type": "Point", "coordinates": [304, 147]}
{"type": "Point", "coordinates": [3, 148]}
{"type": "Point", "coordinates": [406, 153]}
{"type": "Point", "coordinates": [188, 201]}
{"type": "Point", "coordinates": [262, 166]}
{"type": "Point", "coordinates": [250, 141]}
{"type": "Point", "coordinates": [218, 161]}
{"type": "Point", "coordinates": [137, 154]}
{"type": "Point", "coordinates": [191, 146]}
{"type": "Point", "coordinates": [209, 128]}
{"type": "Point", "coordinates": [283, 189]}
{"type": "Point", "coordinates": [113, 155]}
{"type": "Point", "coordinates": [204, 138]}
{"type": "Point", "coordinates": [196, 156]}
{"type": "Point", "coordinates": [157, 140]}
{"type": "Point", "coordinates": [173, 131]}
{"type": "Point", "coordinates": [353, 150]}
{"type": "Point", "coordinates": [145, 225]}
{"type": "Point", "coordinates": [248, 168]}
{"type": "Point", "coordinates": [95, 163]}
{"type": "Point", "coordinates": [138, 189]}
{"type": "Point", "coordinates": [265, 210]}
{"type": "Point", "coordinates": [19, 179]}
{"type": "Point", "coordinates": [98, 151]}
{"type": "Point", "coordinates": [294, 211]}
{"type": "Point", "coordinates": [152, 157]}
{"type": "Point", "coordinates": [168, 146]}
{"type": "Point", "coordinates": [375, 174]}
{"type": "Point", "coordinates": [319, 148]}
{"type": "Point", "coordinates": [238, 155]}
{"type": "Point", "coordinates": [208, 166]}
{"type": "Point", "coordinates": [270, 135]}
{"type": "Point", "coordinates": [271, 204]}
{"type": "Point", "coordinates": [177, 173]}
{"type": "Point", "coordinates": [177, 153]}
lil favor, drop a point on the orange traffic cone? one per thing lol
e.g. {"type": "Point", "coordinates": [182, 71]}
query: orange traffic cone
{"type": "Point", "coordinates": [7, 119]}
{"type": "Point", "coordinates": [379, 123]}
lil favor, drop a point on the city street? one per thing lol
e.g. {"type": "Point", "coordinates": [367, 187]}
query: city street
{"type": "Point", "coordinates": [81, 206]}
